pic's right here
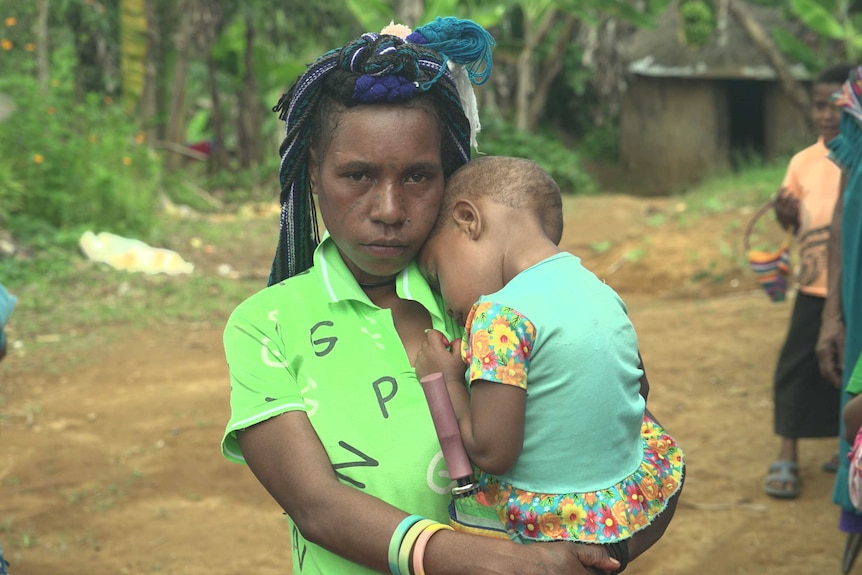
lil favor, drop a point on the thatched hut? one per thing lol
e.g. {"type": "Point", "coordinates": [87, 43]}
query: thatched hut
{"type": "Point", "coordinates": [693, 111]}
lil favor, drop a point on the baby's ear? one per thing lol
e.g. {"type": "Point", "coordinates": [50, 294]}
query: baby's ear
{"type": "Point", "coordinates": [468, 218]}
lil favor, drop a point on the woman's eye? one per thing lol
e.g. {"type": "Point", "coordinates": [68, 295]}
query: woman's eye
{"type": "Point", "coordinates": [417, 178]}
{"type": "Point", "coordinates": [357, 176]}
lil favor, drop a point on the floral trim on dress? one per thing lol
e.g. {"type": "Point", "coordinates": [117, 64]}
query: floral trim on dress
{"type": "Point", "coordinates": [604, 516]}
{"type": "Point", "coordinates": [497, 344]}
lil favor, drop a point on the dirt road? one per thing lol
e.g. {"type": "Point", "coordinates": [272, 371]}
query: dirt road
{"type": "Point", "coordinates": [112, 466]}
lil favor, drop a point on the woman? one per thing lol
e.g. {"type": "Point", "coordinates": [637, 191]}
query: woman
{"type": "Point", "coordinates": [326, 408]}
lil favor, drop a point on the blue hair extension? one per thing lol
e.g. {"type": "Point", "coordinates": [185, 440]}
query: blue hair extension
{"type": "Point", "coordinates": [462, 41]}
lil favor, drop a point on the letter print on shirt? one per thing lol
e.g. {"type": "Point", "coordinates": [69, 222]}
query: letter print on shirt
{"type": "Point", "coordinates": [270, 355]}
{"type": "Point", "coordinates": [374, 335]}
{"type": "Point", "coordinates": [437, 471]}
{"type": "Point", "coordinates": [365, 461]}
{"type": "Point", "coordinates": [310, 402]}
{"type": "Point", "coordinates": [323, 345]}
{"type": "Point", "coordinates": [296, 541]}
{"type": "Point", "coordinates": [381, 399]}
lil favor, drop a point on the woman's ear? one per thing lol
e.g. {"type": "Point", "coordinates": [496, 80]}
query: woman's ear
{"type": "Point", "coordinates": [468, 218]}
{"type": "Point", "coordinates": [311, 166]}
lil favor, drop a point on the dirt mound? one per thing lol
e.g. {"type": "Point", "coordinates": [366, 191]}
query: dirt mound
{"type": "Point", "coordinates": [659, 247]}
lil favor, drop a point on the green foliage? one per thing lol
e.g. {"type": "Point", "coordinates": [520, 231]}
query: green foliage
{"type": "Point", "coordinates": [797, 50]}
{"type": "Point", "coordinates": [697, 21]}
{"type": "Point", "coordinates": [602, 143]}
{"type": "Point", "coordinates": [500, 138]}
{"type": "Point", "coordinates": [818, 18]}
{"type": "Point", "coordinates": [373, 15]}
{"type": "Point", "coordinates": [831, 20]}
{"type": "Point", "coordinates": [74, 164]}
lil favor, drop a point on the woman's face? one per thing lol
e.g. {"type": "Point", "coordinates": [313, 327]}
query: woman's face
{"type": "Point", "coordinates": [379, 183]}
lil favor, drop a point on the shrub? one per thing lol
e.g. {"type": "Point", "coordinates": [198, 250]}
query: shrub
{"type": "Point", "coordinates": [74, 164]}
{"type": "Point", "coordinates": [500, 138]}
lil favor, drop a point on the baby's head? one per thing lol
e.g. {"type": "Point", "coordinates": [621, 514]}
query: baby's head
{"type": "Point", "coordinates": [492, 207]}
{"type": "Point", "coordinates": [513, 182]}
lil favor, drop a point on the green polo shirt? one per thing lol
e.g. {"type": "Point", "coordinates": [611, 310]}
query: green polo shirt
{"type": "Point", "coordinates": [316, 343]}
{"type": "Point", "coordinates": [854, 384]}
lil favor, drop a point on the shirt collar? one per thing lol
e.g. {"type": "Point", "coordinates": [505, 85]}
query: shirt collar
{"type": "Point", "coordinates": [341, 285]}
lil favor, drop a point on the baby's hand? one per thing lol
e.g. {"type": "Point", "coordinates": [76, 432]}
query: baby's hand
{"type": "Point", "coordinates": [438, 354]}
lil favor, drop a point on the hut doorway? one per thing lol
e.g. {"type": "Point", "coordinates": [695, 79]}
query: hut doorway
{"type": "Point", "coordinates": [747, 122]}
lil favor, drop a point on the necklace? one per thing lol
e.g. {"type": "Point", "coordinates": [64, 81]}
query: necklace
{"type": "Point", "coordinates": [388, 282]}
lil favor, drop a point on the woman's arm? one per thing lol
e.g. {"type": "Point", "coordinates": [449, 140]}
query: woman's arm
{"type": "Point", "coordinates": [643, 540]}
{"type": "Point", "coordinates": [287, 458]}
{"type": "Point", "coordinates": [852, 418]}
{"type": "Point", "coordinates": [830, 342]}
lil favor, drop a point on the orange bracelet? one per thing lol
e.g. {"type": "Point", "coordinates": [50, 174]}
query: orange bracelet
{"type": "Point", "coordinates": [407, 544]}
{"type": "Point", "coordinates": [421, 542]}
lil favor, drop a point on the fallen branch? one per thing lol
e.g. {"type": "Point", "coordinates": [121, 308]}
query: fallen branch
{"type": "Point", "coordinates": [181, 150]}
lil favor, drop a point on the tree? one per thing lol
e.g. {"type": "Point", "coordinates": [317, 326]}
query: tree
{"type": "Point", "coordinates": [546, 29]}
{"type": "Point", "coordinates": [133, 51]}
{"type": "Point", "coordinates": [200, 21]}
{"type": "Point", "coordinates": [794, 89]}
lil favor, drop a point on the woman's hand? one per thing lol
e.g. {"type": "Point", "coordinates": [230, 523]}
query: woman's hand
{"type": "Point", "coordinates": [830, 348]}
{"type": "Point", "coordinates": [452, 552]}
{"type": "Point", "coordinates": [579, 558]}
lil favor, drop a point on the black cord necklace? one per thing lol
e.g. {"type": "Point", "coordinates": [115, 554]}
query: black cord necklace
{"type": "Point", "coordinates": [388, 282]}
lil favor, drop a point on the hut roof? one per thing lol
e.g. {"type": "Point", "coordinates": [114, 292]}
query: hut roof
{"type": "Point", "coordinates": [660, 51]}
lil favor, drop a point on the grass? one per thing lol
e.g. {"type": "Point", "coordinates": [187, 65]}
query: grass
{"type": "Point", "coordinates": [748, 190]}
{"type": "Point", "coordinates": [750, 187]}
{"type": "Point", "coordinates": [64, 299]}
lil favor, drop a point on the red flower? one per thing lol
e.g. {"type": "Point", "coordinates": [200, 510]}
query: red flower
{"type": "Point", "coordinates": [531, 525]}
{"type": "Point", "coordinates": [513, 516]}
{"type": "Point", "coordinates": [634, 496]}
{"type": "Point", "coordinates": [591, 523]}
{"type": "Point", "coordinates": [609, 524]}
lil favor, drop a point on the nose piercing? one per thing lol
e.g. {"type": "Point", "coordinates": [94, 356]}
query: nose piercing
{"type": "Point", "coordinates": [407, 221]}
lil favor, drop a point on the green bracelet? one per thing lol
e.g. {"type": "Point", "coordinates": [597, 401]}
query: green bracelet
{"type": "Point", "coordinates": [397, 538]}
{"type": "Point", "coordinates": [407, 544]}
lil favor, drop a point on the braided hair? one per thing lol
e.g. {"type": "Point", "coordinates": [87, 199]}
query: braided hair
{"type": "Point", "coordinates": [430, 67]}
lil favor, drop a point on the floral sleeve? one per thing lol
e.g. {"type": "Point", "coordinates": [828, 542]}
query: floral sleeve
{"type": "Point", "coordinates": [498, 344]}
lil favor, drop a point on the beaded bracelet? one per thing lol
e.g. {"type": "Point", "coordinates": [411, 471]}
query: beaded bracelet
{"type": "Point", "coordinates": [407, 544]}
{"type": "Point", "coordinates": [397, 538]}
{"type": "Point", "coordinates": [421, 542]}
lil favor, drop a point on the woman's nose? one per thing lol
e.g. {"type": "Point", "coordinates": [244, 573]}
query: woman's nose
{"type": "Point", "coordinates": [388, 206]}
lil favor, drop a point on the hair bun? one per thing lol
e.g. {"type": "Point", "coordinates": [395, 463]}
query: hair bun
{"type": "Point", "coordinates": [460, 40]}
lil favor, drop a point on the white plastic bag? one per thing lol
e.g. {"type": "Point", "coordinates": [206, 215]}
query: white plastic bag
{"type": "Point", "coordinates": [132, 255]}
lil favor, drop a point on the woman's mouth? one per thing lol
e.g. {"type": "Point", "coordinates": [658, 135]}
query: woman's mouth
{"type": "Point", "coordinates": [386, 249]}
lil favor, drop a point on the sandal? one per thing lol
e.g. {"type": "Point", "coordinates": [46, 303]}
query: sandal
{"type": "Point", "coordinates": [782, 480]}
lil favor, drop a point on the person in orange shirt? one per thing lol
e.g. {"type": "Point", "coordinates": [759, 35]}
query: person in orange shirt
{"type": "Point", "coordinates": [806, 404]}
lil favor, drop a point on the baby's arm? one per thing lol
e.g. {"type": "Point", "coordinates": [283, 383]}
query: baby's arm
{"type": "Point", "coordinates": [493, 428]}
{"type": "Point", "coordinates": [490, 417]}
